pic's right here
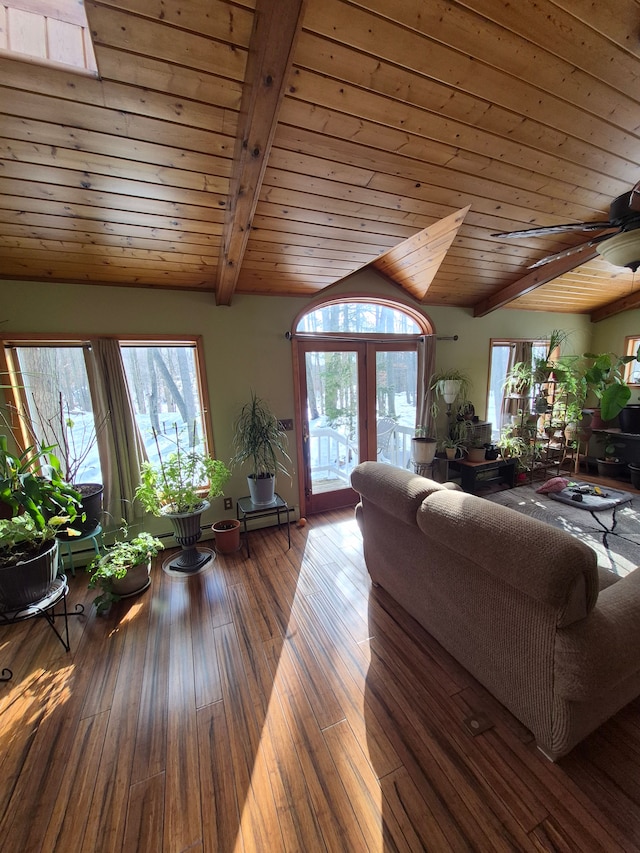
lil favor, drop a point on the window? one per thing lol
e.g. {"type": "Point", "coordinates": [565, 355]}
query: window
{"type": "Point", "coordinates": [632, 370]}
{"type": "Point", "coordinates": [164, 386]}
{"type": "Point", "coordinates": [51, 33]}
{"type": "Point", "coordinates": [504, 353]}
{"type": "Point", "coordinates": [55, 406]}
{"type": "Point", "coordinates": [107, 404]}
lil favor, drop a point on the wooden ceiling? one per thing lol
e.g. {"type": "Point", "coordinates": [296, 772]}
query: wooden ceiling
{"type": "Point", "coordinates": [277, 146]}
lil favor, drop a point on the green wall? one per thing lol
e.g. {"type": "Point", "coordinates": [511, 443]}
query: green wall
{"type": "Point", "coordinates": [245, 345]}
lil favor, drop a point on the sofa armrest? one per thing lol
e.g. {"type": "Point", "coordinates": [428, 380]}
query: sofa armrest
{"type": "Point", "coordinates": [594, 655]}
{"type": "Point", "coordinates": [396, 491]}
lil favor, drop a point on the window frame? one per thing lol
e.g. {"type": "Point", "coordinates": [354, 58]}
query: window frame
{"type": "Point", "coordinates": [631, 344]}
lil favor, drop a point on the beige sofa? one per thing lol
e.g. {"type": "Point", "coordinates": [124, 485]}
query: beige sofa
{"type": "Point", "coordinates": [518, 603]}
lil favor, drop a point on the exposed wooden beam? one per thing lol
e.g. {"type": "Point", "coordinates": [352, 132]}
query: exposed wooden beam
{"type": "Point", "coordinates": [534, 279]}
{"type": "Point", "coordinates": [617, 307]}
{"type": "Point", "coordinates": [275, 30]}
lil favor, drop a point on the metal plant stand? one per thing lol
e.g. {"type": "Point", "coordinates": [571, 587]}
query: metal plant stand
{"type": "Point", "coordinates": [45, 609]}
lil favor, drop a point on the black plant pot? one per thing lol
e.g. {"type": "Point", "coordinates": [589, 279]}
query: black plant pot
{"type": "Point", "coordinates": [186, 529]}
{"type": "Point", "coordinates": [91, 508]}
{"type": "Point", "coordinates": [30, 581]}
{"type": "Point", "coordinates": [608, 468]}
{"type": "Point", "coordinates": [629, 418]}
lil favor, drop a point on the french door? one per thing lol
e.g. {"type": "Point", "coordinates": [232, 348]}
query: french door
{"type": "Point", "coordinates": [356, 401]}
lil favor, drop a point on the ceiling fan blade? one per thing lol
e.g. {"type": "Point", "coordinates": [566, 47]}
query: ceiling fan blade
{"type": "Point", "coordinates": [555, 229]}
{"type": "Point", "coordinates": [572, 251]}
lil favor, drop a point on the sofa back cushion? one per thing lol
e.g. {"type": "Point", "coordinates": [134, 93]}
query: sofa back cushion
{"type": "Point", "coordinates": [546, 564]}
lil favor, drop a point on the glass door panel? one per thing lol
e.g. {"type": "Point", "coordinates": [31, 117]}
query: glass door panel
{"type": "Point", "coordinates": [395, 389]}
{"type": "Point", "coordinates": [333, 438]}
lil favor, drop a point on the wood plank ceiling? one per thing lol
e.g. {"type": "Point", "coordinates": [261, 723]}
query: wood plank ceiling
{"type": "Point", "coordinates": [277, 146]}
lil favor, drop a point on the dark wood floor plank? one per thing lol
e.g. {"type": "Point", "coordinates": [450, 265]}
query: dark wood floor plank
{"type": "Point", "coordinates": [220, 814]}
{"type": "Point", "coordinates": [208, 602]}
{"type": "Point", "coordinates": [404, 805]}
{"type": "Point", "coordinates": [108, 810]}
{"type": "Point", "coordinates": [327, 794]}
{"type": "Point", "coordinates": [259, 828]}
{"type": "Point", "coordinates": [514, 803]}
{"type": "Point", "coordinates": [363, 788]}
{"type": "Point", "coordinates": [73, 800]}
{"type": "Point", "coordinates": [348, 661]}
{"type": "Point", "coordinates": [182, 810]}
{"type": "Point", "coordinates": [145, 815]}
{"type": "Point", "coordinates": [441, 775]}
{"type": "Point", "coordinates": [288, 602]}
{"type": "Point", "coordinates": [150, 758]}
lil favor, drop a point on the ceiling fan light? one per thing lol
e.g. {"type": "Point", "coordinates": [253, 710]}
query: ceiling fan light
{"type": "Point", "coordinates": [622, 250]}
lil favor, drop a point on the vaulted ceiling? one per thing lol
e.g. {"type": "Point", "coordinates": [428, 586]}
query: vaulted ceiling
{"type": "Point", "coordinates": [276, 146]}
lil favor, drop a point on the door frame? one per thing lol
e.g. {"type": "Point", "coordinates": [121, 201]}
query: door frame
{"type": "Point", "coordinates": [366, 350]}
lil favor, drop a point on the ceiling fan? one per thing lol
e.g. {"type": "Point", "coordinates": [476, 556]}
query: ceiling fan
{"type": "Point", "coordinates": [620, 245]}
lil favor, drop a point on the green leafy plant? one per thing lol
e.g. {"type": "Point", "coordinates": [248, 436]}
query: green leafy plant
{"type": "Point", "coordinates": [123, 555]}
{"type": "Point", "coordinates": [604, 375]}
{"type": "Point", "coordinates": [462, 387]}
{"type": "Point", "coordinates": [31, 482]}
{"type": "Point", "coordinates": [181, 482]}
{"type": "Point", "coordinates": [260, 440]}
{"type": "Point", "coordinates": [21, 539]}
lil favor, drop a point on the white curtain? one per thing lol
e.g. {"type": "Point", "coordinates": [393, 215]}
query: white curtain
{"type": "Point", "coordinates": [120, 444]}
{"type": "Point", "coordinates": [426, 368]}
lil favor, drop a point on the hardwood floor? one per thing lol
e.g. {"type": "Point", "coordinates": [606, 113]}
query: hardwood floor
{"type": "Point", "coordinates": [282, 704]}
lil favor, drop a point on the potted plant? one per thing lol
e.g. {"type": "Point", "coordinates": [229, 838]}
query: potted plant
{"type": "Point", "coordinates": [75, 439]}
{"type": "Point", "coordinates": [610, 465]}
{"type": "Point", "coordinates": [423, 447]}
{"type": "Point", "coordinates": [604, 374]}
{"type": "Point", "coordinates": [36, 503]}
{"type": "Point", "coordinates": [260, 441]}
{"type": "Point", "coordinates": [476, 451]}
{"type": "Point", "coordinates": [179, 487]}
{"type": "Point", "coordinates": [450, 386]}
{"type": "Point", "coordinates": [123, 569]}
{"type": "Point", "coordinates": [453, 447]}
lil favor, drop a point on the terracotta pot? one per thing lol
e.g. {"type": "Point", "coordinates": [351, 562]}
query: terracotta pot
{"type": "Point", "coordinates": [227, 535]}
{"type": "Point", "coordinates": [476, 454]}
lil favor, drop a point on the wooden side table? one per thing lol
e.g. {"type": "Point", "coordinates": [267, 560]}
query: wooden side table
{"type": "Point", "coordinates": [503, 470]}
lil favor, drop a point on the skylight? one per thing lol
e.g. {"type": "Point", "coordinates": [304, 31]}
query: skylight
{"type": "Point", "coordinates": [52, 32]}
